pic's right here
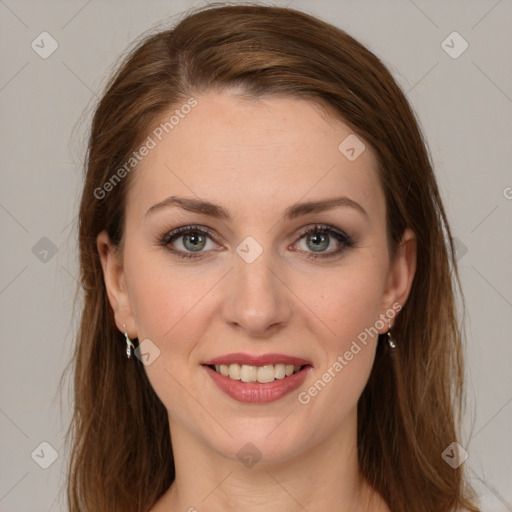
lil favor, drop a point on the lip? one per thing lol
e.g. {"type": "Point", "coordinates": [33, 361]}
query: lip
{"type": "Point", "coordinates": [256, 392]}
{"type": "Point", "coordinates": [261, 360]}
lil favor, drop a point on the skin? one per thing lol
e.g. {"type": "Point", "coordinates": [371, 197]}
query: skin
{"type": "Point", "coordinates": [255, 158]}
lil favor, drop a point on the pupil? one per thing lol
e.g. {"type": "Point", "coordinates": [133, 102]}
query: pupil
{"type": "Point", "coordinates": [195, 240]}
{"type": "Point", "coordinates": [319, 240]}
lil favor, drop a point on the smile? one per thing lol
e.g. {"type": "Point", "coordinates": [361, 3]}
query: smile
{"type": "Point", "coordinates": [257, 379]}
{"type": "Point", "coordinates": [262, 374]}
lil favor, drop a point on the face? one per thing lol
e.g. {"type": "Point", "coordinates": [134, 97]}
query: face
{"type": "Point", "coordinates": [254, 244]}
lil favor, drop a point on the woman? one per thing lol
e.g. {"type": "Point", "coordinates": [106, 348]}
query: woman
{"type": "Point", "coordinates": [268, 320]}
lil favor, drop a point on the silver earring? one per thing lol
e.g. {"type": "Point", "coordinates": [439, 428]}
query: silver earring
{"type": "Point", "coordinates": [391, 341]}
{"type": "Point", "coordinates": [129, 343]}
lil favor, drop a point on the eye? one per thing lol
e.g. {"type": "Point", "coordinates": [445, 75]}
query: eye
{"type": "Point", "coordinates": [187, 240]}
{"type": "Point", "coordinates": [317, 240]}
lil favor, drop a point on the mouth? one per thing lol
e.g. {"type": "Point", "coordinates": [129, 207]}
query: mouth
{"type": "Point", "coordinates": [257, 379]}
{"type": "Point", "coordinates": [250, 373]}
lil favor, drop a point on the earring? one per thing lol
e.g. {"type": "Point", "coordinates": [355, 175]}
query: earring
{"type": "Point", "coordinates": [129, 344]}
{"type": "Point", "coordinates": [391, 341]}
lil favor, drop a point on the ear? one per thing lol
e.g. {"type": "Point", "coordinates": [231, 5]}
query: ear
{"type": "Point", "coordinates": [401, 274]}
{"type": "Point", "coordinates": [115, 283]}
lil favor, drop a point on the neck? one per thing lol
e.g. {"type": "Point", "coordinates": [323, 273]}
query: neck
{"type": "Point", "coordinates": [325, 477]}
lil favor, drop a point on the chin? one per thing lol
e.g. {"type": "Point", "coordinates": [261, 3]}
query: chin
{"type": "Point", "coordinates": [264, 440]}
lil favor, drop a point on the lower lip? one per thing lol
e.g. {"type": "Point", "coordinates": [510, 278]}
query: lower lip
{"type": "Point", "coordinates": [255, 392]}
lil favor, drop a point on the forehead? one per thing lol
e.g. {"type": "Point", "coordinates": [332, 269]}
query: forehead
{"type": "Point", "coordinates": [265, 154]}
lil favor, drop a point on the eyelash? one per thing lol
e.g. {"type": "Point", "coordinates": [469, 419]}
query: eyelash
{"type": "Point", "coordinates": [343, 239]}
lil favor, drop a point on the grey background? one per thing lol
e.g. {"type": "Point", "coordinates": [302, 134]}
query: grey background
{"type": "Point", "coordinates": [465, 107]}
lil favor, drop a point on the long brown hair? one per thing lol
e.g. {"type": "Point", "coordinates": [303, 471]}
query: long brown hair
{"type": "Point", "coordinates": [409, 412]}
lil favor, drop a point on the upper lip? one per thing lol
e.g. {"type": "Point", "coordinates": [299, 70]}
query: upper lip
{"type": "Point", "coordinates": [261, 360]}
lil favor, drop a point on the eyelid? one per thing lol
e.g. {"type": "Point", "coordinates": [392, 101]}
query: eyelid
{"type": "Point", "coordinates": [175, 233]}
{"type": "Point", "coordinates": [322, 227]}
{"type": "Point", "coordinates": [178, 232]}
{"type": "Point", "coordinates": [344, 239]}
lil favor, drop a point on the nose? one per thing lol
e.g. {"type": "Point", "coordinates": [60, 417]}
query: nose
{"type": "Point", "coordinates": [257, 302]}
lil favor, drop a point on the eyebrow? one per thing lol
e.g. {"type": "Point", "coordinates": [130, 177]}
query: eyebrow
{"type": "Point", "coordinates": [292, 212]}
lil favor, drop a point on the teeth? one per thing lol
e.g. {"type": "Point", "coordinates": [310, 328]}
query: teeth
{"type": "Point", "coordinates": [262, 374]}
{"type": "Point", "coordinates": [266, 374]}
{"type": "Point", "coordinates": [248, 373]}
{"type": "Point", "coordinates": [233, 371]}
{"type": "Point", "coordinates": [280, 371]}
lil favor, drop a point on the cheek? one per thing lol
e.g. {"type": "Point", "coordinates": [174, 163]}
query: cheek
{"type": "Point", "coordinates": [343, 304]}
{"type": "Point", "coordinates": [345, 320]}
{"type": "Point", "coordinates": [332, 308]}
{"type": "Point", "coordinates": [171, 308]}
{"type": "Point", "coordinates": [166, 301]}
